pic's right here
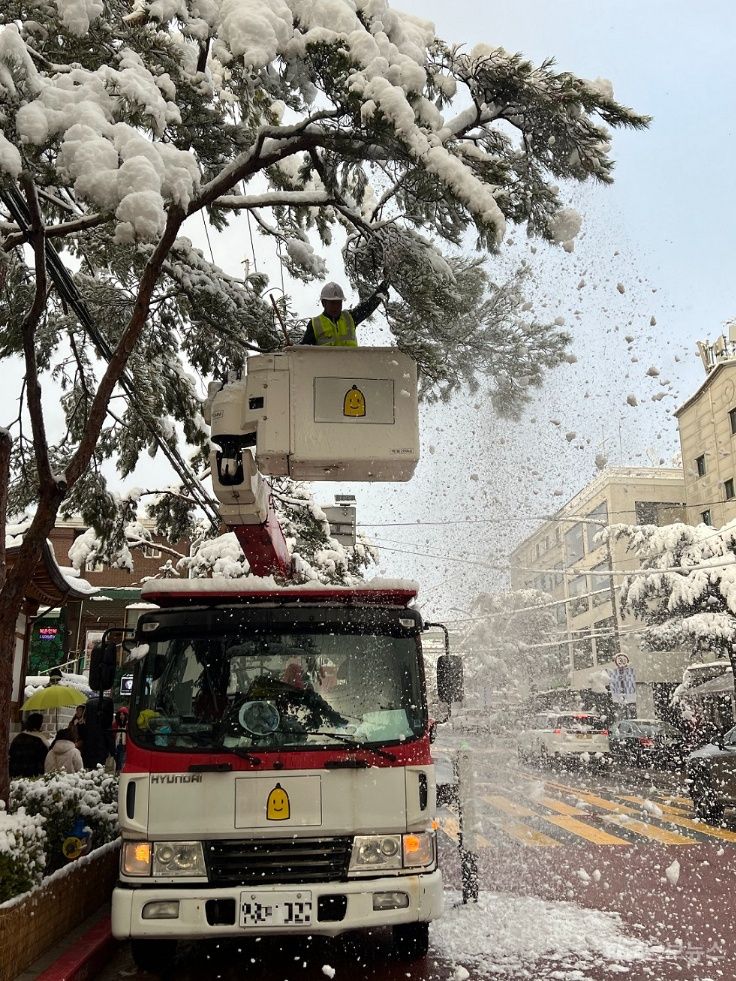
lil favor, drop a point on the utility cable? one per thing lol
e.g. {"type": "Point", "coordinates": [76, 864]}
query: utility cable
{"type": "Point", "coordinates": [69, 293]}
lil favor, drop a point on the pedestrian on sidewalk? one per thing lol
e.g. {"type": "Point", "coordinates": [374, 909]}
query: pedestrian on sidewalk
{"type": "Point", "coordinates": [120, 732]}
{"type": "Point", "coordinates": [27, 753]}
{"type": "Point", "coordinates": [63, 754]}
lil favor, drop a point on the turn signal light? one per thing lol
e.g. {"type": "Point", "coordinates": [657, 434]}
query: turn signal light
{"type": "Point", "coordinates": [135, 858]}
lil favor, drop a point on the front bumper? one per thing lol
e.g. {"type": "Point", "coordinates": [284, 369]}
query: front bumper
{"type": "Point", "coordinates": [424, 892]}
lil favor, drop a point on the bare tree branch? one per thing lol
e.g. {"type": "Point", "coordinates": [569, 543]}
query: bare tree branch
{"type": "Point", "coordinates": [57, 231]}
{"type": "Point", "coordinates": [28, 330]}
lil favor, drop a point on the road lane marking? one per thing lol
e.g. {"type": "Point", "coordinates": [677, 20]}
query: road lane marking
{"type": "Point", "coordinates": [564, 821]}
{"type": "Point", "coordinates": [672, 816]}
{"type": "Point", "coordinates": [575, 827]}
{"type": "Point", "coordinates": [451, 827]}
{"type": "Point", "coordinates": [528, 836]}
{"type": "Point", "coordinates": [507, 806]}
{"type": "Point", "coordinates": [624, 817]}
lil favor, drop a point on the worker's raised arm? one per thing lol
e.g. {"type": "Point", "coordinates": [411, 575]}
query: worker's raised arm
{"type": "Point", "coordinates": [368, 306]}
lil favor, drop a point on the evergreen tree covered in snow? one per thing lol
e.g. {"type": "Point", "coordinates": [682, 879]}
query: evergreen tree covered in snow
{"type": "Point", "coordinates": [324, 120]}
{"type": "Point", "coordinates": [687, 594]}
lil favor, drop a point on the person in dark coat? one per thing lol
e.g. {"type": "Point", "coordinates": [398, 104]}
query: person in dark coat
{"type": "Point", "coordinates": [98, 742]}
{"type": "Point", "coordinates": [27, 753]}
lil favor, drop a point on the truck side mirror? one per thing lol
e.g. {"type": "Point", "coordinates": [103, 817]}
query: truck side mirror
{"type": "Point", "coordinates": [102, 667]}
{"type": "Point", "coordinates": [450, 678]}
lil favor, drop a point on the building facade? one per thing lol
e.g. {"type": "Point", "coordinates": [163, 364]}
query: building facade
{"type": "Point", "coordinates": [565, 558]}
{"type": "Point", "coordinates": [116, 604]}
{"type": "Point", "coordinates": [707, 425]}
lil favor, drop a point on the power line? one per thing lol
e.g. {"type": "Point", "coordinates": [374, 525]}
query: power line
{"type": "Point", "coordinates": [69, 293]}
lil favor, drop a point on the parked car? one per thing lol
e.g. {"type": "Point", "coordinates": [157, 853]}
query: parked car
{"type": "Point", "coordinates": [554, 735]}
{"type": "Point", "coordinates": [710, 774]}
{"type": "Point", "coordinates": [644, 742]}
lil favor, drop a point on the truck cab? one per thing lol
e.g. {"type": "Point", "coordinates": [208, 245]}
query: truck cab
{"type": "Point", "coordinates": [278, 777]}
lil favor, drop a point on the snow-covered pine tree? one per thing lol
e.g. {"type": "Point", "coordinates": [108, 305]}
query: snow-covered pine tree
{"type": "Point", "coordinates": [686, 596]}
{"type": "Point", "coordinates": [121, 119]}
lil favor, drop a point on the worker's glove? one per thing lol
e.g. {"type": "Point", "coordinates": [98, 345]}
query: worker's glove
{"type": "Point", "coordinates": [382, 290]}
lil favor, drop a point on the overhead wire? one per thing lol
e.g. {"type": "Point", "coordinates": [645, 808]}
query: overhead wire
{"type": "Point", "coordinates": [69, 293]}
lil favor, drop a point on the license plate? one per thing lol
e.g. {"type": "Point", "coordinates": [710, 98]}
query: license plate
{"type": "Point", "coordinates": [584, 735]}
{"type": "Point", "coordinates": [262, 909]}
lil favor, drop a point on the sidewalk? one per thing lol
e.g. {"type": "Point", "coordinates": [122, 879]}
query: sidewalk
{"type": "Point", "coordinates": [80, 955]}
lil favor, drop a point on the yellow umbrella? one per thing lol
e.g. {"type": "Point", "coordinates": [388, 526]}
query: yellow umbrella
{"type": "Point", "coordinates": [54, 696]}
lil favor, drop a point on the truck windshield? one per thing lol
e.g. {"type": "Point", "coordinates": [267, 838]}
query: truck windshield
{"type": "Point", "coordinates": [274, 690]}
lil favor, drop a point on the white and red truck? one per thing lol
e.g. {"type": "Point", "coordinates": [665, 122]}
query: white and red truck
{"type": "Point", "coordinates": [278, 777]}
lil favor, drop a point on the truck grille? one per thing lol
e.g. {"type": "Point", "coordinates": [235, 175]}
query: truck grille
{"type": "Point", "coordinates": [265, 861]}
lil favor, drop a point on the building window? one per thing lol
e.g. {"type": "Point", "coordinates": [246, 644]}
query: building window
{"type": "Point", "coordinates": [728, 489]}
{"type": "Point", "coordinates": [606, 647]}
{"type": "Point", "coordinates": [578, 599]}
{"type": "Point", "coordinates": [599, 515]}
{"type": "Point", "coordinates": [707, 520]}
{"type": "Point", "coordinates": [732, 417]}
{"type": "Point", "coordinates": [151, 552]}
{"type": "Point", "coordinates": [574, 547]}
{"type": "Point", "coordinates": [657, 512]}
{"type": "Point", "coordinates": [582, 653]}
{"type": "Point", "coordinates": [600, 586]}
{"type": "Point", "coordinates": [700, 465]}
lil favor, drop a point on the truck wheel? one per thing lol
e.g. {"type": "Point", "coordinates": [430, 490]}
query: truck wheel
{"type": "Point", "coordinates": [411, 941]}
{"type": "Point", "coordinates": [155, 956]}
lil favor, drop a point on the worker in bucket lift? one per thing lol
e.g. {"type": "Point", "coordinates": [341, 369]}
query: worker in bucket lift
{"type": "Point", "coordinates": [335, 327]}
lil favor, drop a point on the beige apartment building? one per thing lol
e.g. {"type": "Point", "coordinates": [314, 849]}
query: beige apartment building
{"type": "Point", "coordinates": [707, 424]}
{"type": "Point", "coordinates": [564, 558]}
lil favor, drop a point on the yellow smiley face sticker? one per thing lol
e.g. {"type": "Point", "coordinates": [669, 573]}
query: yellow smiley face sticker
{"type": "Point", "coordinates": [277, 805]}
{"type": "Point", "coordinates": [354, 402]}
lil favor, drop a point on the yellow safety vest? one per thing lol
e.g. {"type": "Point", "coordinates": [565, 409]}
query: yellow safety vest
{"type": "Point", "coordinates": [340, 334]}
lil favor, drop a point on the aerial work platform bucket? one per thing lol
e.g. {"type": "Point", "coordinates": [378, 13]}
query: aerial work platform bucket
{"type": "Point", "coordinates": [323, 413]}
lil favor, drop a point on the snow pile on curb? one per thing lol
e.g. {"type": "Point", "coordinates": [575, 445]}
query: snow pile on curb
{"type": "Point", "coordinates": [525, 937]}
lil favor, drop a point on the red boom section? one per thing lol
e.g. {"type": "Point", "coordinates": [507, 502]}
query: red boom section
{"type": "Point", "coordinates": [264, 546]}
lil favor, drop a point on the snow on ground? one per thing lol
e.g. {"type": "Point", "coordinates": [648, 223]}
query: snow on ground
{"type": "Point", "coordinates": [523, 937]}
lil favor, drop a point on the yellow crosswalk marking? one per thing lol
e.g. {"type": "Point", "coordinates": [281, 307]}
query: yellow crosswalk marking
{"type": "Point", "coordinates": [621, 818]}
{"type": "Point", "coordinates": [647, 830]}
{"type": "Point", "coordinates": [673, 816]}
{"type": "Point", "coordinates": [587, 831]}
{"type": "Point", "coordinates": [451, 826]}
{"type": "Point", "coordinates": [528, 836]}
{"type": "Point", "coordinates": [564, 821]}
{"type": "Point", "coordinates": [557, 805]}
{"type": "Point", "coordinates": [507, 806]}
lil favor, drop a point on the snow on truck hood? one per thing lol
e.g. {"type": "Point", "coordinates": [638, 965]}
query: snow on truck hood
{"type": "Point", "coordinates": [167, 592]}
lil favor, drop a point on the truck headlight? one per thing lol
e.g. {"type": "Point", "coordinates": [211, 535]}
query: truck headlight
{"type": "Point", "coordinates": [178, 858]}
{"type": "Point", "coordinates": [392, 853]}
{"type": "Point", "coordinates": [375, 852]}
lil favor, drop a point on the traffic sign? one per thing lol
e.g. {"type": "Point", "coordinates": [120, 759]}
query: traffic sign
{"type": "Point", "coordinates": [621, 660]}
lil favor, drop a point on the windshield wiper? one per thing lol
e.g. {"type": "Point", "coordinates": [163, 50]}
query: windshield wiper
{"type": "Point", "coordinates": [243, 753]}
{"type": "Point", "coordinates": [352, 744]}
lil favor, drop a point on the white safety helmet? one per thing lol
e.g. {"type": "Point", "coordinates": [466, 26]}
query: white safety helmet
{"type": "Point", "coordinates": [332, 291]}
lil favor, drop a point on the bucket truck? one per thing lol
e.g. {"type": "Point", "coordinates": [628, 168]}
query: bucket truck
{"type": "Point", "coordinates": [278, 777]}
